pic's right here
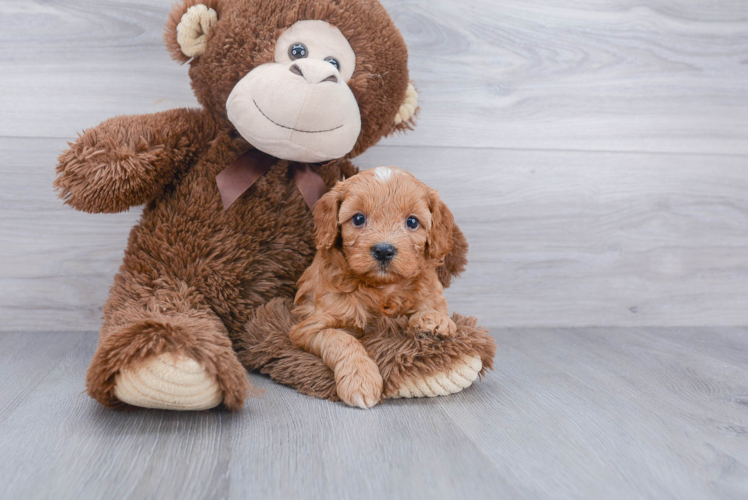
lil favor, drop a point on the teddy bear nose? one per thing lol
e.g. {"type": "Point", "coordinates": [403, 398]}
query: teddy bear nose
{"type": "Point", "coordinates": [383, 252]}
{"type": "Point", "coordinates": [315, 73]}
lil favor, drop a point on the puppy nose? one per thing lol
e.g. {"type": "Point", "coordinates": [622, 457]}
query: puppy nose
{"type": "Point", "coordinates": [383, 252]}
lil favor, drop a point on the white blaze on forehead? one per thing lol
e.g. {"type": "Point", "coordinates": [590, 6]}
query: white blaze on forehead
{"type": "Point", "coordinates": [384, 174]}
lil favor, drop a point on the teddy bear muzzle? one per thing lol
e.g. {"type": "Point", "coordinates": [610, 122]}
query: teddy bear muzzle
{"type": "Point", "coordinates": [302, 111]}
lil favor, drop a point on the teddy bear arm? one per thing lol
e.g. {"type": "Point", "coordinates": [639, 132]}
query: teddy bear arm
{"type": "Point", "coordinates": [127, 160]}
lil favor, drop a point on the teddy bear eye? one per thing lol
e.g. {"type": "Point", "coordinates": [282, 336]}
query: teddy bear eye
{"type": "Point", "coordinates": [334, 62]}
{"type": "Point", "coordinates": [297, 51]}
{"type": "Point", "coordinates": [358, 220]}
{"type": "Point", "coordinates": [412, 222]}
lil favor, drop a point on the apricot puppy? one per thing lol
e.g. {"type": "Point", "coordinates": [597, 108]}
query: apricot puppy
{"type": "Point", "coordinates": [380, 236]}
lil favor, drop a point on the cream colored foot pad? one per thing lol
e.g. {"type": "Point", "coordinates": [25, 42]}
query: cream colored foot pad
{"type": "Point", "coordinates": [168, 382]}
{"type": "Point", "coordinates": [460, 377]}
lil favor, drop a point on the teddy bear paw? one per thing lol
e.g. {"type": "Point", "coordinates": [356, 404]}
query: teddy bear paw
{"type": "Point", "coordinates": [458, 378]}
{"type": "Point", "coordinates": [169, 381]}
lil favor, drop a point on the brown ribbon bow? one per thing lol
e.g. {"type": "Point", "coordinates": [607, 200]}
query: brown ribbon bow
{"type": "Point", "coordinates": [235, 179]}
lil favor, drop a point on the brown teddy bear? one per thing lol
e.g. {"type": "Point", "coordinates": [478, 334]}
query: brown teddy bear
{"type": "Point", "coordinates": [290, 91]}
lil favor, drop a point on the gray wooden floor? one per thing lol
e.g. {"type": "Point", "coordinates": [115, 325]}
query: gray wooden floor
{"type": "Point", "coordinates": [655, 413]}
{"type": "Point", "coordinates": [596, 156]}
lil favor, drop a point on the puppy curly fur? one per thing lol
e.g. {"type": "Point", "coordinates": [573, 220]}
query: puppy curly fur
{"type": "Point", "coordinates": [380, 237]}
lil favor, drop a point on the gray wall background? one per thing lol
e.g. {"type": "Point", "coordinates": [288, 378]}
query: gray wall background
{"type": "Point", "coordinates": [595, 153]}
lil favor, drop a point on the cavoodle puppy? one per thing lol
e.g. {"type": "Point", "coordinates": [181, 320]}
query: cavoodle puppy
{"type": "Point", "coordinates": [380, 236]}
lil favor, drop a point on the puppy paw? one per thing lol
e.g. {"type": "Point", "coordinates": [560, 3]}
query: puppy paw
{"type": "Point", "coordinates": [433, 322]}
{"type": "Point", "coordinates": [359, 383]}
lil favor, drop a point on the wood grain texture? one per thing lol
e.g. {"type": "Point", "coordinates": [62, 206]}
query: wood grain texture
{"type": "Point", "coordinates": [557, 238]}
{"type": "Point", "coordinates": [520, 101]}
{"type": "Point", "coordinates": [571, 238]}
{"type": "Point", "coordinates": [610, 75]}
{"type": "Point", "coordinates": [596, 155]}
{"type": "Point", "coordinates": [619, 75]}
{"type": "Point", "coordinates": [568, 413]}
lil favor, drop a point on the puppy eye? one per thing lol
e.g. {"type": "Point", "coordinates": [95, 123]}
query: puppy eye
{"type": "Point", "coordinates": [297, 51]}
{"type": "Point", "coordinates": [412, 222]}
{"type": "Point", "coordinates": [358, 220]}
{"type": "Point", "coordinates": [334, 62]}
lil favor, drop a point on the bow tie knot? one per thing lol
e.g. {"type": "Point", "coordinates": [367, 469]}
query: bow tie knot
{"type": "Point", "coordinates": [235, 179]}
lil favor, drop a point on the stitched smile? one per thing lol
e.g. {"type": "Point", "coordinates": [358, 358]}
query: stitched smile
{"type": "Point", "coordinates": [291, 128]}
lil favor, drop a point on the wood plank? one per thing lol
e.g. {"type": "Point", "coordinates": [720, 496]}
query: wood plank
{"type": "Point", "coordinates": [613, 75]}
{"type": "Point", "coordinates": [611, 413]}
{"type": "Point", "coordinates": [70, 65]}
{"type": "Point", "coordinates": [723, 344]}
{"type": "Point", "coordinates": [19, 376]}
{"type": "Point", "coordinates": [568, 413]}
{"type": "Point", "coordinates": [59, 442]}
{"type": "Point", "coordinates": [585, 239]}
{"type": "Point", "coordinates": [557, 238]}
{"type": "Point", "coordinates": [283, 443]}
{"type": "Point", "coordinates": [57, 263]}
{"type": "Point", "coordinates": [325, 450]}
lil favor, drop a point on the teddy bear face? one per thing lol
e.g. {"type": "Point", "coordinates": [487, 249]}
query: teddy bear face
{"type": "Point", "coordinates": [303, 80]}
{"type": "Point", "coordinates": [300, 106]}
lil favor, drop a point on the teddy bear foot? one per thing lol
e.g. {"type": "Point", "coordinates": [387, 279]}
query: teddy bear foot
{"type": "Point", "coordinates": [168, 381]}
{"type": "Point", "coordinates": [176, 362]}
{"type": "Point", "coordinates": [417, 365]}
{"type": "Point", "coordinates": [460, 377]}
{"type": "Point", "coordinates": [411, 364]}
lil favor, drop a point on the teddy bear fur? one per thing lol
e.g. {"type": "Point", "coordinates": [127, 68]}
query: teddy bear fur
{"type": "Point", "coordinates": [193, 273]}
{"type": "Point", "coordinates": [400, 352]}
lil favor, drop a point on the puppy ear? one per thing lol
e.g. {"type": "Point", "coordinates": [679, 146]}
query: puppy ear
{"type": "Point", "coordinates": [189, 25]}
{"type": "Point", "coordinates": [456, 260]}
{"type": "Point", "coordinates": [439, 241]}
{"type": "Point", "coordinates": [326, 217]}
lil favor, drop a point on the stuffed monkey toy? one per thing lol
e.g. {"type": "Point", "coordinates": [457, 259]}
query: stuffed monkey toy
{"type": "Point", "coordinates": [290, 91]}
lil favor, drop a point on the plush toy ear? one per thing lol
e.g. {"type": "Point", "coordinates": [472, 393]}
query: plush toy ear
{"type": "Point", "coordinates": [326, 217]}
{"type": "Point", "coordinates": [439, 242]}
{"type": "Point", "coordinates": [404, 119]}
{"type": "Point", "coordinates": [189, 25]}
